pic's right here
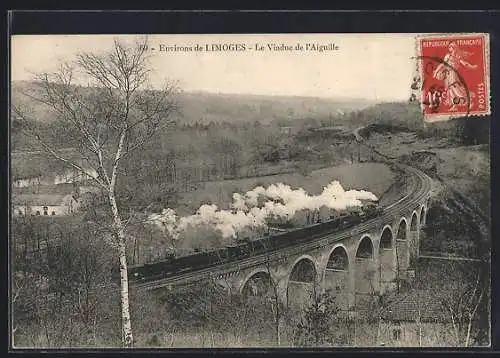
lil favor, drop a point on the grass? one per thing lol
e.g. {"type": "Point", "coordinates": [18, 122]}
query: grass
{"type": "Point", "coordinates": [464, 169]}
{"type": "Point", "coordinates": [374, 177]}
{"type": "Point", "coordinates": [463, 162]}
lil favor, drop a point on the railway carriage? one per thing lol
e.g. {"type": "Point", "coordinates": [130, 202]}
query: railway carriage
{"type": "Point", "coordinates": [247, 247]}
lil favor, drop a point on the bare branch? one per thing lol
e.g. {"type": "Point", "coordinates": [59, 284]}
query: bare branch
{"type": "Point", "coordinates": [59, 157]}
{"type": "Point", "coordinates": [56, 92]}
{"type": "Point", "coordinates": [479, 299]}
{"type": "Point", "coordinates": [110, 118]}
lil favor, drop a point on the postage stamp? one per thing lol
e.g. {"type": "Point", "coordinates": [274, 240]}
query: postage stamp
{"type": "Point", "coordinates": [454, 74]}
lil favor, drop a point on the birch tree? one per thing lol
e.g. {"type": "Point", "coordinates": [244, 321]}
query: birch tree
{"type": "Point", "coordinates": [104, 108]}
{"type": "Point", "coordinates": [461, 290]}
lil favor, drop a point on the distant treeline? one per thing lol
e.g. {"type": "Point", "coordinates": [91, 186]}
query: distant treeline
{"type": "Point", "coordinates": [403, 117]}
{"type": "Point", "coordinates": [180, 158]}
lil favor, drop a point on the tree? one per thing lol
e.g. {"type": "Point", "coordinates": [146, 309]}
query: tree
{"type": "Point", "coordinates": [278, 308]}
{"type": "Point", "coordinates": [315, 328]}
{"type": "Point", "coordinates": [263, 305]}
{"type": "Point", "coordinates": [461, 289]}
{"type": "Point", "coordinates": [115, 114]}
{"type": "Point", "coordinates": [271, 296]}
{"type": "Point", "coordinates": [54, 283]}
{"type": "Point", "coordinates": [261, 301]}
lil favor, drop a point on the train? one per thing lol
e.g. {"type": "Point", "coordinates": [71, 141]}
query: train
{"type": "Point", "coordinates": [246, 247]}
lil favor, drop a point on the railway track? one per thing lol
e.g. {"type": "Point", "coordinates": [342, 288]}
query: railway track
{"type": "Point", "coordinates": [420, 188]}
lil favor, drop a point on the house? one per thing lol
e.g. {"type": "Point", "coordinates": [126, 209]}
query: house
{"type": "Point", "coordinates": [331, 132]}
{"type": "Point", "coordinates": [67, 177]}
{"type": "Point", "coordinates": [45, 204]}
{"type": "Point", "coordinates": [410, 319]}
{"type": "Point", "coordinates": [290, 130]}
{"type": "Point", "coordinates": [416, 319]}
{"type": "Point", "coordinates": [73, 176]}
{"type": "Point", "coordinates": [26, 182]}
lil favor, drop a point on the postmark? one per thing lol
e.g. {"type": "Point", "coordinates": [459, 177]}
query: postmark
{"type": "Point", "coordinates": [453, 76]}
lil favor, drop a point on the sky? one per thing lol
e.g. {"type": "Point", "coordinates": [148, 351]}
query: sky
{"type": "Point", "coordinates": [370, 66]}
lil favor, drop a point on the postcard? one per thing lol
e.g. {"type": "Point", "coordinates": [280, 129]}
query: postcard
{"type": "Point", "coordinates": [250, 190]}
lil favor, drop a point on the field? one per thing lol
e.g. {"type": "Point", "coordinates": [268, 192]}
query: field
{"type": "Point", "coordinates": [463, 168]}
{"type": "Point", "coordinates": [374, 177]}
{"type": "Point", "coordinates": [457, 219]}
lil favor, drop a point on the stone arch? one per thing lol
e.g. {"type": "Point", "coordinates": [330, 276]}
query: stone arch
{"type": "Point", "coordinates": [384, 242]}
{"type": "Point", "coordinates": [423, 215]}
{"type": "Point", "coordinates": [338, 259]}
{"type": "Point", "coordinates": [336, 275]}
{"type": "Point", "coordinates": [365, 280]}
{"type": "Point", "coordinates": [302, 281]}
{"type": "Point", "coordinates": [386, 258]}
{"type": "Point", "coordinates": [255, 281]}
{"type": "Point", "coordinates": [402, 247]}
{"type": "Point", "coordinates": [303, 270]}
{"type": "Point", "coordinates": [414, 235]}
{"type": "Point", "coordinates": [401, 232]}
{"type": "Point", "coordinates": [414, 221]}
{"type": "Point", "coordinates": [365, 248]}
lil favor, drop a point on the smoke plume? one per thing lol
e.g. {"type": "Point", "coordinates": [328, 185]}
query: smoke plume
{"type": "Point", "coordinates": [254, 208]}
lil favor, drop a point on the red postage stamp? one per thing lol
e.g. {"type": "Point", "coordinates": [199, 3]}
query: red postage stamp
{"type": "Point", "coordinates": [454, 75]}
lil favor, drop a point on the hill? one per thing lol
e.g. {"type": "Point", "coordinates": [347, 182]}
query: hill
{"type": "Point", "coordinates": [204, 107]}
{"type": "Point", "coordinates": [209, 107]}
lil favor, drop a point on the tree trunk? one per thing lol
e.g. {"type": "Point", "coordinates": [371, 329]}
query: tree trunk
{"type": "Point", "coordinates": [397, 264]}
{"type": "Point", "coordinates": [456, 329]}
{"type": "Point", "coordinates": [419, 323]}
{"type": "Point", "coordinates": [120, 236]}
{"type": "Point", "coordinates": [133, 256]}
{"type": "Point", "coordinates": [469, 328]}
{"type": "Point", "coordinates": [378, 341]}
{"type": "Point", "coordinates": [278, 337]}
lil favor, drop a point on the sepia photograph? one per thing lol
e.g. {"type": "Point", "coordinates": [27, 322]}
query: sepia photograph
{"type": "Point", "coordinates": [318, 190]}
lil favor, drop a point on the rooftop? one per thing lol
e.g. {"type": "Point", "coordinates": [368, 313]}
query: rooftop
{"type": "Point", "coordinates": [51, 189]}
{"type": "Point", "coordinates": [409, 305]}
{"type": "Point", "coordinates": [39, 199]}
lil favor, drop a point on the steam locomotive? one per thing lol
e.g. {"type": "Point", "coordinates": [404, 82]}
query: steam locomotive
{"type": "Point", "coordinates": [245, 247]}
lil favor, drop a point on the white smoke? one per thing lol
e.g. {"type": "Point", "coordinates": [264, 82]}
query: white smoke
{"type": "Point", "coordinates": [254, 208]}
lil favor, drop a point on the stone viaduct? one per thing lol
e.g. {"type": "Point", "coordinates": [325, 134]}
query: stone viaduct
{"type": "Point", "coordinates": [354, 264]}
{"type": "Point", "coordinates": [364, 264]}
